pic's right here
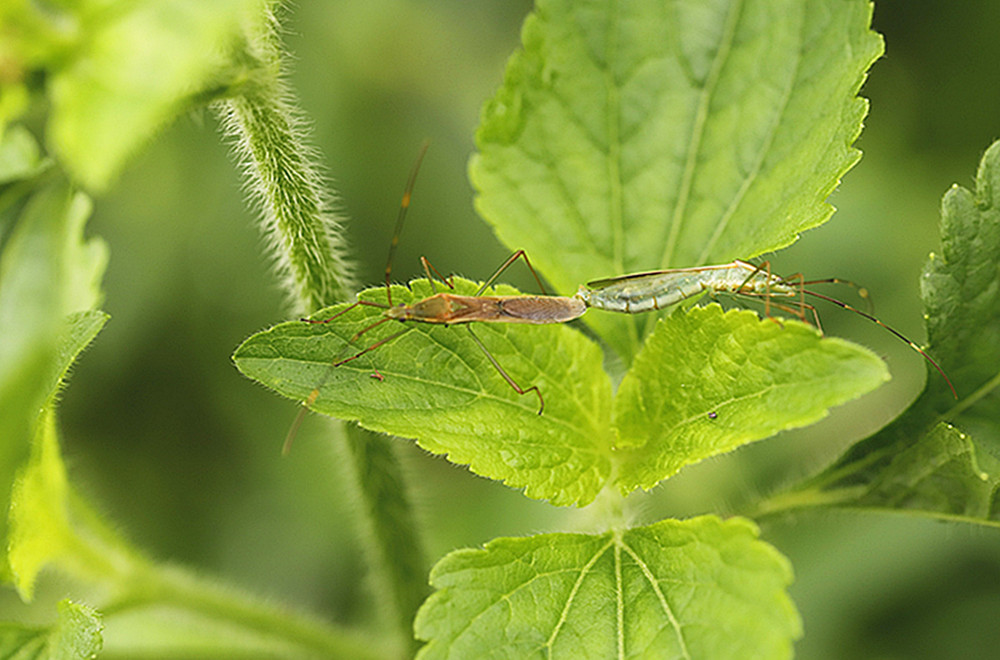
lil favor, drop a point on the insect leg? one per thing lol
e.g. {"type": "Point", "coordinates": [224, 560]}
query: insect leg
{"type": "Point", "coordinates": [366, 303]}
{"type": "Point", "coordinates": [511, 259]}
{"type": "Point", "coordinates": [506, 376]}
{"type": "Point", "coordinates": [428, 267]}
{"type": "Point", "coordinates": [861, 291]}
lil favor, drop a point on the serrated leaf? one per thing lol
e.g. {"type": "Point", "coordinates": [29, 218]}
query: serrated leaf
{"type": "Point", "coordinates": [917, 463]}
{"type": "Point", "coordinates": [961, 290]}
{"type": "Point", "coordinates": [49, 279]}
{"type": "Point", "coordinates": [77, 635]}
{"type": "Point", "coordinates": [638, 136]}
{"type": "Point", "coordinates": [943, 471]}
{"type": "Point", "coordinates": [438, 387]}
{"type": "Point", "coordinates": [701, 588]}
{"type": "Point", "coordinates": [709, 381]}
{"type": "Point", "coordinates": [116, 76]}
{"type": "Point", "coordinates": [40, 528]}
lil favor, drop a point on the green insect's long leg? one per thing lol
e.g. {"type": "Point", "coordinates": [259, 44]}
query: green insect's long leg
{"type": "Point", "coordinates": [893, 331]}
{"type": "Point", "coordinates": [861, 291]}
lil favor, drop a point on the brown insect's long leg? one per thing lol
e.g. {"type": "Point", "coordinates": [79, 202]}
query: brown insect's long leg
{"type": "Point", "coordinates": [366, 303]}
{"type": "Point", "coordinates": [506, 376]}
{"type": "Point", "coordinates": [379, 343]}
{"type": "Point", "coordinates": [314, 394]}
{"type": "Point", "coordinates": [890, 329]}
{"type": "Point", "coordinates": [286, 447]}
{"type": "Point", "coordinates": [428, 267]}
{"type": "Point", "coordinates": [511, 259]}
{"type": "Point", "coordinates": [403, 207]}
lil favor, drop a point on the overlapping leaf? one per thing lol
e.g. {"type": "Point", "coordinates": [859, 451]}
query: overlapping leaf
{"type": "Point", "coordinates": [707, 382]}
{"type": "Point", "coordinates": [49, 283]}
{"type": "Point", "coordinates": [942, 457]}
{"type": "Point", "coordinates": [701, 588]}
{"type": "Point", "coordinates": [439, 387]}
{"type": "Point", "coordinates": [636, 136]}
{"type": "Point", "coordinates": [76, 634]}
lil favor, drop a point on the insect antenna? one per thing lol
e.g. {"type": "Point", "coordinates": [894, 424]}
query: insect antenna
{"type": "Point", "coordinates": [404, 206]}
{"type": "Point", "coordinates": [871, 318]}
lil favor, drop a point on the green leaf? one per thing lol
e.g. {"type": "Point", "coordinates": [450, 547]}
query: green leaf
{"type": "Point", "coordinates": [155, 610]}
{"type": "Point", "coordinates": [20, 156]}
{"type": "Point", "coordinates": [639, 136]}
{"type": "Point", "coordinates": [961, 290]}
{"type": "Point", "coordinates": [709, 381]}
{"type": "Point", "coordinates": [440, 388]}
{"type": "Point", "coordinates": [115, 76]}
{"type": "Point", "coordinates": [701, 588]}
{"type": "Point", "coordinates": [75, 636]}
{"type": "Point", "coordinates": [40, 529]}
{"type": "Point", "coordinates": [943, 471]}
{"type": "Point", "coordinates": [49, 278]}
{"type": "Point", "coordinates": [941, 457]}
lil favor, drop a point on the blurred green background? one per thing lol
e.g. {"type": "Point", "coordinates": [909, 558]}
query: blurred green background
{"type": "Point", "coordinates": [183, 453]}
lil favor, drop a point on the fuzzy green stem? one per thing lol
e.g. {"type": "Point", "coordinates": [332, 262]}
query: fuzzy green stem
{"type": "Point", "coordinates": [164, 586]}
{"type": "Point", "coordinates": [100, 553]}
{"type": "Point", "coordinates": [388, 531]}
{"type": "Point", "coordinates": [304, 234]}
{"type": "Point", "coordinates": [282, 176]}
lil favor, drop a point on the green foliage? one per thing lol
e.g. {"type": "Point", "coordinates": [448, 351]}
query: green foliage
{"type": "Point", "coordinates": [75, 636]}
{"type": "Point", "coordinates": [48, 271]}
{"type": "Point", "coordinates": [707, 382]}
{"type": "Point", "coordinates": [699, 588]}
{"type": "Point", "coordinates": [633, 139]}
{"type": "Point", "coordinates": [20, 156]}
{"type": "Point", "coordinates": [624, 138]}
{"type": "Point", "coordinates": [941, 457]}
{"type": "Point", "coordinates": [435, 384]}
{"type": "Point", "coordinates": [115, 76]}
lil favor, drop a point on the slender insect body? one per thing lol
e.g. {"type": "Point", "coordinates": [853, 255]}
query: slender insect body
{"type": "Point", "coordinates": [642, 292]}
{"type": "Point", "coordinates": [450, 309]}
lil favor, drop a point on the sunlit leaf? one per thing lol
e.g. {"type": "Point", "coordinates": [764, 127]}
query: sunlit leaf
{"type": "Point", "coordinates": [437, 386]}
{"type": "Point", "coordinates": [637, 136]}
{"type": "Point", "coordinates": [707, 382]}
{"type": "Point", "coordinates": [76, 635]}
{"type": "Point", "coordinates": [941, 457]}
{"type": "Point", "coordinates": [701, 588]}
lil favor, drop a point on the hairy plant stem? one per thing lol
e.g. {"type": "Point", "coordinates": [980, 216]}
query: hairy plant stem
{"type": "Point", "coordinates": [388, 531]}
{"type": "Point", "coordinates": [158, 586]}
{"type": "Point", "coordinates": [283, 178]}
